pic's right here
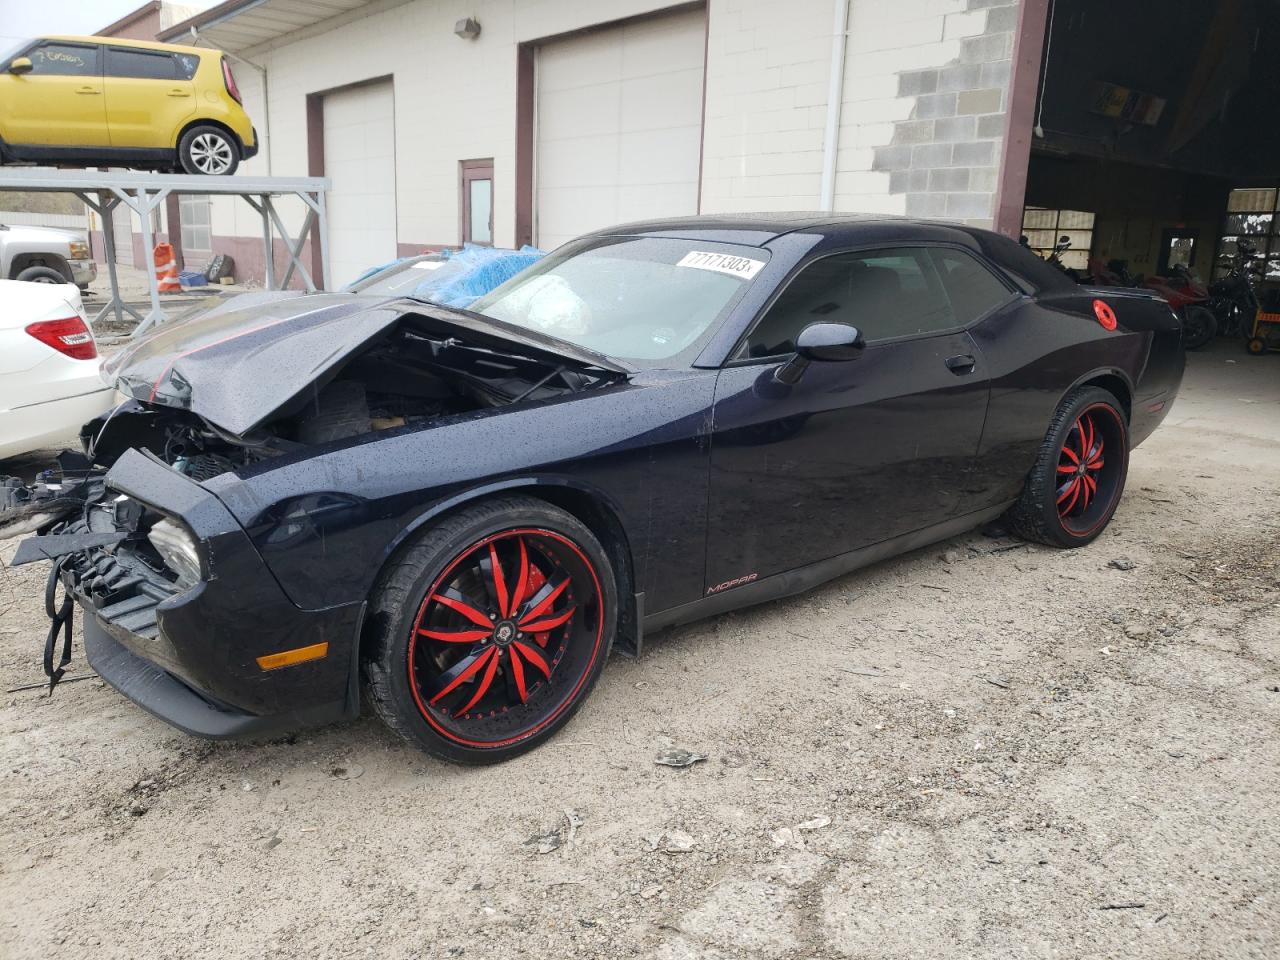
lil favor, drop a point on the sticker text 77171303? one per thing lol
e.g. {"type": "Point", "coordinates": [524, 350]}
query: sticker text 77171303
{"type": "Point", "coordinates": [743, 267]}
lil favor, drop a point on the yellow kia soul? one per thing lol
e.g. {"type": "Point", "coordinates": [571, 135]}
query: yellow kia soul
{"type": "Point", "coordinates": [94, 101]}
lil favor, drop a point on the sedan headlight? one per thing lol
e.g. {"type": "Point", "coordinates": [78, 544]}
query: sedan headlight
{"type": "Point", "coordinates": [179, 550]}
{"type": "Point", "coordinates": [79, 250]}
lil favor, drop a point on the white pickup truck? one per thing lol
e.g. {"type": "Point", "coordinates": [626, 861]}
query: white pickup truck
{"type": "Point", "coordinates": [45, 255]}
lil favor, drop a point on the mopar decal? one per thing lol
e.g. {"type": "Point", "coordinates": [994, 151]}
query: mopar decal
{"type": "Point", "coordinates": [733, 583]}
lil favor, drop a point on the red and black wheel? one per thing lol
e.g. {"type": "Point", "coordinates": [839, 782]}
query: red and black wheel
{"type": "Point", "coordinates": [490, 629]}
{"type": "Point", "coordinates": [1079, 475]}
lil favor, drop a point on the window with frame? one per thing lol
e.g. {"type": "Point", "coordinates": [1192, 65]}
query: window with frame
{"type": "Point", "coordinates": [140, 64]}
{"type": "Point", "coordinates": [477, 201]}
{"type": "Point", "coordinates": [65, 60]}
{"type": "Point", "coordinates": [1254, 214]}
{"type": "Point", "coordinates": [196, 227]}
{"type": "Point", "coordinates": [974, 291]}
{"type": "Point", "coordinates": [1042, 228]}
{"type": "Point", "coordinates": [886, 294]}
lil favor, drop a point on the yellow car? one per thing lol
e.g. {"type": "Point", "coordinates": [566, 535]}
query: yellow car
{"type": "Point", "coordinates": [96, 101]}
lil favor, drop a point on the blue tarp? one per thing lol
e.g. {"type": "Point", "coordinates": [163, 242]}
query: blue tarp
{"type": "Point", "coordinates": [482, 269]}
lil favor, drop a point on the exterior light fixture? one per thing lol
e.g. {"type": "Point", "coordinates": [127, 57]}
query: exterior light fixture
{"type": "Point", "coordinates": [467, 29]}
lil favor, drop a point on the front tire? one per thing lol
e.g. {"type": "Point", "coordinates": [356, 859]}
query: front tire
{"type": "Point", "coordinates": [489, 630]}
{"type": "Point", "coordinates": [41, 275]}
{"type": "Point", "coordinates": [1074, 487]}
{"type": "Point", "coordinates": [1199, 326]}
{"type": "Point", "coordinates": [209, 151]}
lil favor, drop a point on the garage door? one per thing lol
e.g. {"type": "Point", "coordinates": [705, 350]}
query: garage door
{"type": "Point", "coordinates": [359, 158]}
{"type": "Point", "coordinates": [619, 121]}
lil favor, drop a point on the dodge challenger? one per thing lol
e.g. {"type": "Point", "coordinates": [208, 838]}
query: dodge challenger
{"type": "Point", "coordinates": [458, 513]}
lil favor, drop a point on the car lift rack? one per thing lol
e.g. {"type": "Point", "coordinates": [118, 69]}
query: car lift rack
{"type": "Point", "coordinates": [142, 193]}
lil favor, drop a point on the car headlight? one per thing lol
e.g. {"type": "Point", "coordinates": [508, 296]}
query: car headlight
{"type": "Point", "coordinates": [79, 250]}
{"type": "Point", "coordinates": [179, 550]}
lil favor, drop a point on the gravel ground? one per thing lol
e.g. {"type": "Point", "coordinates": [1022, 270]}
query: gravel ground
{"type": "Point", "coordinates": [981, 749]}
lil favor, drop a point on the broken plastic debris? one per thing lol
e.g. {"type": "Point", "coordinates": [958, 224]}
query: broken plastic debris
{"type": "Point", "coordinates": [678, 758]}
{"type": "Point", "coordinates": [817, 823]}
{"type": "Point", "coordinates": [544, 842]}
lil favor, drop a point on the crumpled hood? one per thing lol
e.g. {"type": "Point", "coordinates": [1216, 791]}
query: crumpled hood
{"type": "Point", "coordinates": [240, 363]}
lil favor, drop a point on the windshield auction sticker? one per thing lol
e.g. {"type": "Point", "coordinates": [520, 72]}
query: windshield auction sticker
{"type": "Point", "coordinates": [743, 267]}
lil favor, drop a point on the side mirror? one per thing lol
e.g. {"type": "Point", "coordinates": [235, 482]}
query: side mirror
{"type": "Point", "coordinates": [20, 65]}
{"type": "Point", "coordinates": [824, 342]}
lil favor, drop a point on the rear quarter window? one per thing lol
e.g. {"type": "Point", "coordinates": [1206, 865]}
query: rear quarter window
{"type": "Point", "coordinates": [973, 290]}
{"type": "Point", "coordinates": [140, 64]}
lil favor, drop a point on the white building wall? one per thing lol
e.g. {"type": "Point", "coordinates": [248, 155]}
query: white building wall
{"type": "Point", "coordinates": [455, 99]}
{"type": "Point", "coordinates": [922, 112]}
{"type": "Point", "coordinates": [767, 70]}
{"type": "Point", "coordinates": [922, 109]}
{"type": "Point", "coordinates": [924, 102]}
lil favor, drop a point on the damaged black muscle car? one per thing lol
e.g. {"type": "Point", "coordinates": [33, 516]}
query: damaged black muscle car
{"type": "Point", "coordinates": [459, 511]}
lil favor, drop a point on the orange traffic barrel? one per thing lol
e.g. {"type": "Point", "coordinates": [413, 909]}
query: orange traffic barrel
{"type": "Point", "coordinates": [166, 266]}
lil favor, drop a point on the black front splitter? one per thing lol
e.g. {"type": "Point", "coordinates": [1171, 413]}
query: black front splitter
{"type": "Point", "coordinates": [164, 696]}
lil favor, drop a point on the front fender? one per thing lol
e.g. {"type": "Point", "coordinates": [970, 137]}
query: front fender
{"type": "Point", "coordinates": [533, 484]}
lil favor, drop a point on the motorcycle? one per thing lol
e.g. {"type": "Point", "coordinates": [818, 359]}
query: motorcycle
{"type": "Point", "coordinates": [1233, 298]}
{"type": "Point", "coordinates": [1186, 294]}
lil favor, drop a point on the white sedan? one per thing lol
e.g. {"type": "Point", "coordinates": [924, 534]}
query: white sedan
{"type": "Point", "coordinates": [49, 368]}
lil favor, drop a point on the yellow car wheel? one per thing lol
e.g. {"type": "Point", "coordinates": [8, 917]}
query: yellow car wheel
{"type": "Point", "coordinates": [208, 151]}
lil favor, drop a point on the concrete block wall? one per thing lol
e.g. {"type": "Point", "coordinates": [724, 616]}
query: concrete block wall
{"type": "Point", "coordinates": [925, 98]}
{"type": "Point", "coordinates": [766, 102]}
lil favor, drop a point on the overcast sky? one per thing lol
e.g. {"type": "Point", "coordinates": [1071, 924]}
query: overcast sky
{"type": "Point", "coordinates": [20, 19]}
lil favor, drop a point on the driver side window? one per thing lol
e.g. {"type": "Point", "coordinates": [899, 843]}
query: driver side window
{"type": "Point", "coordinates": [64, 59]}
{"type": "Point", "coordinates": [884, 293]}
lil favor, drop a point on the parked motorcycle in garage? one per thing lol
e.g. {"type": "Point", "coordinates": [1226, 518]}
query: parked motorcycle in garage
{"type": "Point", "coordinates": [1183, 291]}
{"type": "Point", "coordinates": [1233, 298]}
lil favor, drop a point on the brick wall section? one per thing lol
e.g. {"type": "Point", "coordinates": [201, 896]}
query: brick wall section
{"type": "Point", "coordinates": [922, 111]}
{"type": "Point", "coordinates": [935, 140]}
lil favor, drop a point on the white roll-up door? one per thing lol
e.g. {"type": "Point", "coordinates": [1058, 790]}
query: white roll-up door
{"type": "Point", "coordinates": [360, 160]}
{"type": "Point", "coordinates": [619, 125]}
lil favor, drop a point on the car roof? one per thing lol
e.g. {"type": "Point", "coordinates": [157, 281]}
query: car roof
{"type": "Point", "coordinates": [140, 44]}
{"type": "Point", "coordinates": [1024, 268]}
{"type": "Point", "coordinates": [757, 229]}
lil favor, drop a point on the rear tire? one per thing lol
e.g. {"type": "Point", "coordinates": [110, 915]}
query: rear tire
{"type": "Point", "coordinates": [41, 275]}
{"type": "Point", "coordinates": [1074, 487]}
{"type": "Point", "coordinates": [1199, 326]}
{"type": "Point", "coordinates": [208, 151]}
{"type": "Point", "coordinates": [450, 662]}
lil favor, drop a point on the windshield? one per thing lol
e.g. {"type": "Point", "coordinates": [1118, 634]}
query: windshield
{"type": "Point", "coordinates": [401, 278]}
{"type": "Point", "coordinates": [646, 300]}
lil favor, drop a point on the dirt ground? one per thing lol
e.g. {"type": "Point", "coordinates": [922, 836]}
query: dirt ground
{"type": "Point", "coordinates": [975, 750]}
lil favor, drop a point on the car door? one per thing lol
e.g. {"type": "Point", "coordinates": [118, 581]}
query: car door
{"type": "Point", "coordinates": [59, 102]}
{"type": "Point", "coordinates": [856, 451]}
{"type": "Point", "coordinates": [150, 95]}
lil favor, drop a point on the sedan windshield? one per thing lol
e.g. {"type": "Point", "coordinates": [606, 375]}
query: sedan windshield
{"type": "Point", "coordinates": [646, 300]}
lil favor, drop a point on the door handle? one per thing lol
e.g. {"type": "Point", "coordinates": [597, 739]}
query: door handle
{"type": "Point", "coordinates": [91, 90]}
{"type": "Point", "coordinates": [179, 93]}
{"type": "Point", "coordinates": [961, 365]}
